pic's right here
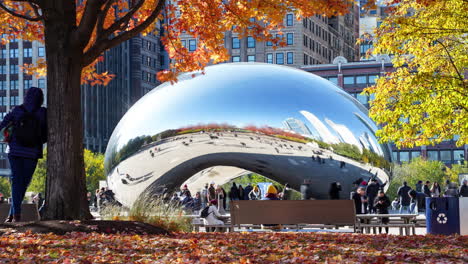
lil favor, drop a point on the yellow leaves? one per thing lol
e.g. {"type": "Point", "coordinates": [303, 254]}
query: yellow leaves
{"type": "Point", "coordinates": [429, 49]}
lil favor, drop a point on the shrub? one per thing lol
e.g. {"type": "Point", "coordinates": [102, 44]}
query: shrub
{"type": "Point", "coordinates": [154, 211]}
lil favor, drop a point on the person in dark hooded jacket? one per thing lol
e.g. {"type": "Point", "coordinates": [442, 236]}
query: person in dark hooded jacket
{"type": "Point", "coordinates": [23, 159]}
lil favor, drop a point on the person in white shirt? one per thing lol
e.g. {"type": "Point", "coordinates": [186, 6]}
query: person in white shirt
{"type": "Point", "coordinates": [214, 216]}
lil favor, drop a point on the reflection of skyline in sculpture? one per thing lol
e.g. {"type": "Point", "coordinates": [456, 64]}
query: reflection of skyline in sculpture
{"type": "Point", "coordinates": [225, 119]}
{"type": "Point", "coordinates": [345, 135]}
{"type": "Point", "coordinates": [297, 126]}
{"type": "Point", "coordinates": [323, 132]}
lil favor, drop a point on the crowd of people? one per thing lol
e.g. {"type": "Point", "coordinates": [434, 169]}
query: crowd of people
{"type": "Point", "coordinates": [370, 198]}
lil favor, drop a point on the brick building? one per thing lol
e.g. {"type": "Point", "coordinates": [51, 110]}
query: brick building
{"type": "Point", "coordinates": [353, 77]}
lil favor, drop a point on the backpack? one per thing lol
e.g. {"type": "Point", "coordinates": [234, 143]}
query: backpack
{"type": "Point", "coordinates": [204, 213]}
{"type": "Point", "coordinates": [27, 130]}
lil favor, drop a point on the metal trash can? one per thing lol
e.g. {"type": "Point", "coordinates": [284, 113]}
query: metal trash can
{"type": "Point", "coordinates": [442, 215]}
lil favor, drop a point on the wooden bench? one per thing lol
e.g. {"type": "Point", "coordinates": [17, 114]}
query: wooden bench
{"type": "Point", "coordinates": [292, 212]}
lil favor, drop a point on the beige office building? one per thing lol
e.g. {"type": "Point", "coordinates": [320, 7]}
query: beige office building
{"type": "Point", "coordinates": [314, 40]}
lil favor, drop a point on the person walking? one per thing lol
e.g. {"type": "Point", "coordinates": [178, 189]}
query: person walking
{"type": "Point", "coordinates": [435, 190]}
{"type": "Point", "coordinates": [334, 192]}
{"type": "Point", "coordinates": [241, 192]}
{"type": "Point", "coordinates": [427, 189]}
{"type": "Point", "coordinates": [372, 190]}
{"type": "Point", "coordinates": [403, 194]}
{"type": "Point", "coordinates": [29, 132]}
{"type": "Point", "coordinates": [463, 192]}
{"type": "Point", "coordinates": [381, 204]}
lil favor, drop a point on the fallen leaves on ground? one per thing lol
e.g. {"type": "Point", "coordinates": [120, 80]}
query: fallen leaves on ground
{"type": "Point", "coordinates": [239, 247]}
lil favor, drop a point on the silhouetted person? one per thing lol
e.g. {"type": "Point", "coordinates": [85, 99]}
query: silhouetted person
{"type": "Point", "coordinates": [372, 190]}
{"type": "Point", "coordinates": [234, 193]}
{"type": "Point", "coordinates": [405, 199]}
{"type": "Point", "coordinates": [28, 123]}
{"type": "Point", "coordinates": [360, 200]}
{"type": "Point", "coordinates": [419, 186]}
{"type": "Point", "coordinates": [464, 189]}
{"type": "Point", "coordinates": [381, 204]}
{"type": "Point", "coordinates": [427, 189]}
{"type": "Point", "coordinates": [334, 192]}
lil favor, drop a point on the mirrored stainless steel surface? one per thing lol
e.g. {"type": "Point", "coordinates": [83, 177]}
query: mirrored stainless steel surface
{"type": "Point", "coordinates": [283, 123]}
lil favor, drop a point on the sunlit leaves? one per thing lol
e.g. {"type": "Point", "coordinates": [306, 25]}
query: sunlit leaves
{"type": "Point", "coordinates": [232, 248]}
{"type": "Point", "coordinates": [429, 42]}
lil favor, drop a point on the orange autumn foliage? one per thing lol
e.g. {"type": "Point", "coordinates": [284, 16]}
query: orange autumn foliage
{"type": "Point", "coordinates": [206, 20]}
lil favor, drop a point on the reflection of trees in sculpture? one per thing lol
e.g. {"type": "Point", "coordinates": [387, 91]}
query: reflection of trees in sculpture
{"type": "Point", "coordinates": [343, 149]}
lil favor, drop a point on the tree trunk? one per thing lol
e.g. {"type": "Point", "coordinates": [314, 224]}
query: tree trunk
{"type": "Point", "coordinates": [66, 182]}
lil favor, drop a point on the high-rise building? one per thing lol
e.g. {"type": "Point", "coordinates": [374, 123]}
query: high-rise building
{"type": "Point", "coordinates": [353, 77]}
{"type": "Point", "coordinates": [134, 64]}
{"type": "Point", "coordinates": [314, 40]}
{"type": "Point", "coordinates": [14, 82]}
{"type": "Point", "coordinates": [369, 20]}
{"type": "Point", "coordinates": [297, 126]}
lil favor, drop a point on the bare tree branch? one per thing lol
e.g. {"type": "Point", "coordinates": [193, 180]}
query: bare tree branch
{"type": "Point", "coordinates": [13, 13]}
{"type": "Point", "coordinates": [103, 44]}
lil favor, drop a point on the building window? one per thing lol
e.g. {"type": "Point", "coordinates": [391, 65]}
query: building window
{"type": "Point", "coordinates": [3, 69]}
{"type": "Point", "coordinates": [250, 42]}
{"type": "Point", "coordinates": [432, 155]}
{"type": "Point", "coordinates": [361, 79]}
{"type": "Point", "coordinates": [458, 156]}
{"type": "Point", "coordinates": [40, 52]}
{"type": "Point", "coordinates": [279, 58]}
{"type": "Point", "coordinates": [306, 59]}
{"type": "Point", "coordinates": [362, 98]}
{"type": "Point", "coordinates": [184, 43]}
{"type": "Point", "coordinates": [13, 84]}
{"type": "Point", "coordinates": [192, 45]}
{"type": "Point", "coordinates": [14, 69]}
{"type": "Point", "coordinates": [404, 156]}
{"type": "Point", "coordinates": [394, 156]}
{"type": "Point", "coordinates": [269, 58]}
{"type": "Point", "coordinates": [3, 102]}
{"type": "Point", "coordinates": [235, 43]}
{"type": "Point", "coordinates": [290, 58]}
{"type": "Point", "coordinates": [251, 58]}
{"type": "Point", "coordinates": [305, 41]}
{"type": "Point", "coordinates": [3, 54]}
{"type": "Point", "coordinates": [3, 85]}
{"type": "Point", "coordinates": [13, 53]}
{"type": "Point", "coordinates": [290, 38]}
{"type": "Point", "coordinates": [373, 78]}
{"type": "Point", "coordinates": [415, 154]}
{"type": "Point", "coordinates": [348, 80]}
{"type": "Point", "coordinates": [333, 80]}
{"type": "Point", "coordinates": [27, 84]}
{"type": "Point", "coordinates": [27, 52]}
{"type": "Point", "coordinates": [446, 156]}
{"type": "Point", "coordinates": [289, 20]}
{"type": "Point", "coordinates": [269, 43]}
{"type": "Point", "coordinates": [14, 100]}
{"type": "Point", "coordinates": [41, 83]}
{"type": "Point", "coordinates": [235, 58]}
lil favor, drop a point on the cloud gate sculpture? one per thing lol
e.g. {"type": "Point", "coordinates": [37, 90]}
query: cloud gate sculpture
{"type": "Point", "coordinates": [283, 123]}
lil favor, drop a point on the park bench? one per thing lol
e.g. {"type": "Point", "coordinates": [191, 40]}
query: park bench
{"type": "Point", "coordinates": [319, 213]}
{"type": "Point", "coordinates": [29, 212]}
{"type": "Point", "coordinates": [405, 222]}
